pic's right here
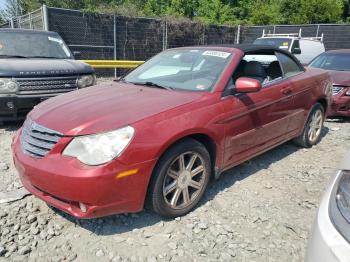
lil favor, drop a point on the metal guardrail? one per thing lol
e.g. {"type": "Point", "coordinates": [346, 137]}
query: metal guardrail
{"type": "Point", "coordinates": [113, 63]}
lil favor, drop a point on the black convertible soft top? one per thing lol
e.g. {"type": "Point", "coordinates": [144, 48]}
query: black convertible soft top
{"type": "Point", "coordinates": [262, 49]}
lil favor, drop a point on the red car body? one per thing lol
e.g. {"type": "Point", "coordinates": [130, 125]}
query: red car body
{"type": "Point", "coordinates": [233, 128]}
{"type": "Point", "coordinates": [341, 101]}
{"type": "Point", "coordinates": [341, 88]}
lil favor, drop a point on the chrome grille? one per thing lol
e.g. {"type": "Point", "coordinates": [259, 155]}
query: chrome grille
{"type": "Point", "coordinates": [37, 140]}
{"type": "Point", "coordinates": [336, 90]}
{"type": "Point", "coordinates": [27, 86]}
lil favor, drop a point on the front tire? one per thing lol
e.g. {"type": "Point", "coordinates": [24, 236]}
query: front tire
{"type": "Point", "coordinates": [312, 132]}
{"type": "Point", "coordinates": [180, 179]}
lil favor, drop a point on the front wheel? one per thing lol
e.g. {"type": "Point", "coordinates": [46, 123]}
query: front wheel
{"type": "Point", "coordinates": [180, 179]}
{"type": "Point", "coordinates": [313, 129]}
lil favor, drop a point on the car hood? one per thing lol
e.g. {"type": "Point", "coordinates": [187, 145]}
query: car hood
{"type": "Point", "coordinates": [341, 78]}
{"type": "Point", "coordinates": [106, 107]}
{"type": "Point", "coordinates": [22, 67]}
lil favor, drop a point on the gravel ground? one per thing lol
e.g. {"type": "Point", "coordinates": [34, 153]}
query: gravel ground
{"type": "Point", "coordinates": [261, 210]}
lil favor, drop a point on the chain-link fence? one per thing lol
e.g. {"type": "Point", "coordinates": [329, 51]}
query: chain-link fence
{"type": "Point", "coordinates": [101, 36]}
{"type": "Point", "coordinates": [35, 20]}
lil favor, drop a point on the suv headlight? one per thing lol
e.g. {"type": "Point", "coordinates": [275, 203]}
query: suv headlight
{"type": "Point", "coordinates": [86, 80]}
{"type": "Point", "coordinates": [99, 149]}
{"type": "Point", "coordinates": [339, 208]}
{"type": "Point", "coordinates": [7, 85]}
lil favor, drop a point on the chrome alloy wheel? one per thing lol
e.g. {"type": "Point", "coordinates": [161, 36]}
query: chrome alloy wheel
{"type": "Point", "coordinates": [315, 126]}
{"type": "Point", "coordinates": [184, 180]}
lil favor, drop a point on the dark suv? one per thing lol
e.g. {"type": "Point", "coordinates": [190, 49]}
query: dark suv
{"type": "Point", "coordinates": [34, 66]}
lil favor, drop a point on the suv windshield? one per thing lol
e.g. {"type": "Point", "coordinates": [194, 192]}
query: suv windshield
{"type": "Point", "coordinates": [337, 62]}
{"type": "Point", "coordinates": [282, 43]}
{"type": "Point", "coordinates": [30, 45]}
{"type": "Point", "coordinates": [192, 69]}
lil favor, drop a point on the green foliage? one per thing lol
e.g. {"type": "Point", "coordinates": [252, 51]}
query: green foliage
{"type": "Point", "coordinates": [208, 11]}
{"type": "Point", "coordinates": [266, 12]}
{"type": "Point", "coordinates": [215, 12]}
{"type": "Point", "coordinates": [312, 11]}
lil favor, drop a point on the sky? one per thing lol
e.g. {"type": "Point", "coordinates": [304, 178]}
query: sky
{"type": "Point", "coordinates": [2, 3]}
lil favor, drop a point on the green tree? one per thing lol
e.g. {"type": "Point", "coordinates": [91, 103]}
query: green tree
{"type": "Point", "coordinates": [312, 11]}
{"type": "Point", "coordinates": [156, 7]}
{"type": "Point", "coordinates": [265, 12]}
{"type": "Point", "coordinates": [215, 12]}
{"type": "Point", "coordinates": [184, 8]}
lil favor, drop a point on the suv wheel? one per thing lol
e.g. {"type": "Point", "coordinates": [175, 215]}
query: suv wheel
{"type": "Point", "coordinates": [180, 179]}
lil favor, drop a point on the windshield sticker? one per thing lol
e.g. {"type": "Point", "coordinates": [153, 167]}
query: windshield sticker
{"type": "Point", "coordinates": [217, 54]}
{"type": "Point", "coordinates": [57, 40]}
{"type": "Point", "coordinates": [285, 44]}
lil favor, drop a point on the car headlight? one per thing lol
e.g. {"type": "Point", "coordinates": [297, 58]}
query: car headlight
{"type": "Point", "coordinates": [339, 208]}
{"type": "Point", "coordinates": [86, 80]}
{"type": "Point", "coordinates": [99, 149]}
{"type": "Point", "coordinates": [348, 92]}
{"type": "Point", "coordinates": [7, 85]}
{"type": "Point", "coordinates": [343, 196]}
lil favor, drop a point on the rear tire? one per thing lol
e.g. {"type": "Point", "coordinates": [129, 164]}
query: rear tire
{"type": "Point", "coordinates": [180, 179]}
{"type": "Point", "coordinates": [312, 132]}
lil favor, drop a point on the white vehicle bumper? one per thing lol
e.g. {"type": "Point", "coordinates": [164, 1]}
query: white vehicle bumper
{"type": "Point", "coordinates": [326, 244]}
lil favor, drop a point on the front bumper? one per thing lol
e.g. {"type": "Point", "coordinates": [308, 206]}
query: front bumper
{"type": "Point", "coordinates": [326, 244]}
{"type": "Point", "coordinates": [13, 107]}
{"type": "Point", "coordinates": [340, 106]}
{"type": "Point", "coordinates": [64, 182]}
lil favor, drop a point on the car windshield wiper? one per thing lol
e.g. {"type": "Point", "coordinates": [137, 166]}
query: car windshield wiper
{"type": "Point", "coordinates": [12, 56]}
{"type": "Point", "coordinates": [151, 84]}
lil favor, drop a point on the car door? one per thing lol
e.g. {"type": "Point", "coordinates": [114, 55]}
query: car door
{"type": "Point", "coordinates": [301, 90]}
{"type": "Point", "coordinates": [256, 121]}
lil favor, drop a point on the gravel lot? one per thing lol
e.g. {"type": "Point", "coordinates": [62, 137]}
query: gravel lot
{"type": "Point", "coordinates": [261, 210]}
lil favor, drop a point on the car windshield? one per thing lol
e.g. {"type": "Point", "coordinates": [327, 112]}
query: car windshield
{"type": "Point", "coordinates": [30, 45]}
{"type": "Point", "coordinates": [282, 43]}
{"type": "Point", "coordinates": [337, 62]}
{"type": "Point", "coordinates": [192, 69]}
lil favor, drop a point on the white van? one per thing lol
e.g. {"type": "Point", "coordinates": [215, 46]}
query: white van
{"type": "Point", "coordinates": [304, 48]}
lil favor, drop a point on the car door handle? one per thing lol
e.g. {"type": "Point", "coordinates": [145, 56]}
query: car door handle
{"type": "Point", "coordinates": [286, 91]}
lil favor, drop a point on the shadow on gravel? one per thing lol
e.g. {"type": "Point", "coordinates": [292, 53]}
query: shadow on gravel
{"type": "Point", "coordinates": [339, 120]}
{"type": "Point", "coordinates": [125, 223]}
{"type": "Point", "coordinates": [11, 126]}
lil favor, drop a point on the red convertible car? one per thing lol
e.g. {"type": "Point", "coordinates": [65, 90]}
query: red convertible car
{"type": "Point", "coordinates": [160, 133]}
{"type": "Point", "coordinates": [337, 63]}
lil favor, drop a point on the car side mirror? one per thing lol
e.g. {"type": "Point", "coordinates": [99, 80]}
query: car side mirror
{"type": "Point", "coordinates": [247, 85]}
{"type": "Point", "coordinates": [296, 51]}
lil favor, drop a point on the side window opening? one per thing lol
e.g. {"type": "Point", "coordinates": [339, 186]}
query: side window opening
{"type": "Point", "coordinates": [265, 68]}
{"type": "Point", "coordinates": [289, 67]}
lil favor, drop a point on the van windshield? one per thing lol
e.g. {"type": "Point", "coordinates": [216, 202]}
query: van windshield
{"type": "Point", "coordinates": [33, 45]}
{"type": "Point", "coordinates": [282, 43]}
{"type": "Point", "coordinates": [337, 62]}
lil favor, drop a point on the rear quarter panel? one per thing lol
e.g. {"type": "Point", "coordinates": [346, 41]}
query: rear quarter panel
{"type": "Point", "coordinates": [311, 87]}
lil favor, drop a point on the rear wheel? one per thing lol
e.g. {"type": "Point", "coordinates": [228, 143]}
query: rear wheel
{"type": "Point", "coordinates": [313, 129]}
{"type": "Point", "coordinates": [180, 179]}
